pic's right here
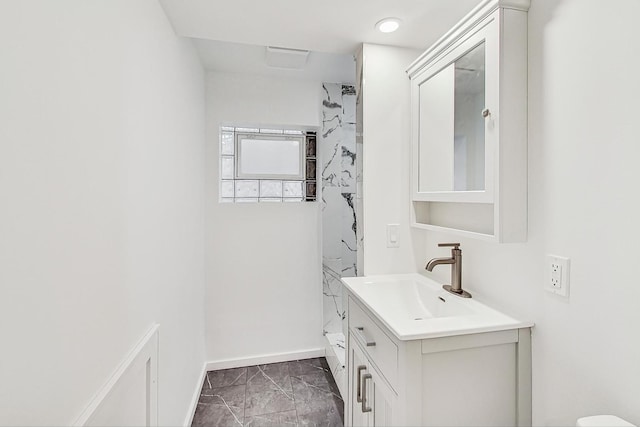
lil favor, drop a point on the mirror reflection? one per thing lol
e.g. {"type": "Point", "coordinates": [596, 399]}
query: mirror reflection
{"type": "Point", "coordinates": [452, 134]}
{"type": "Point", "coordinates": [468, 143]}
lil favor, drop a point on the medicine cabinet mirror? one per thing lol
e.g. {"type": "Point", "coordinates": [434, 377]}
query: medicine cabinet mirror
{"type": "Point", "coordinates": [469, 126]}
{"type": "Point", "coordinates": [453, 139]}
{"type": "Point", "coordinates": [452, 131]}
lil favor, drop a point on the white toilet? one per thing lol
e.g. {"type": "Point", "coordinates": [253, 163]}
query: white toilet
{"type": "Point", "coordinates": [603, 421]}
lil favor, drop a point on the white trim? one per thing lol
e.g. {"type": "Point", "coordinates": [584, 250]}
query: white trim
{"type": "Point", "coordinates": [337, 368]}
{"type": "Point", "coordinates": [148, 347]}
{"type": "Point", "coordinates": [456, 231]}
{"type": "Point", "coordinates": [460, 196]}
{"type": "Point", "coordinates": [523, 378]}
{"type": "Point", "coordinates": [241, 136]}
{"type": "Point", "coordinates": [194, 399]}
{"type": "Point", "coordinates": [477, 15]}
{"type": "Point", "coordinates": [264, 359]}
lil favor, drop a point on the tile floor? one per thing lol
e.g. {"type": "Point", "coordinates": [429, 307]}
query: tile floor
{"type": "Point", "coordinates": [299, 393]}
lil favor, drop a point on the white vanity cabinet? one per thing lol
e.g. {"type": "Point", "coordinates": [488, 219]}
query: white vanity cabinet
{"type": "Point", "coordinates": [469, 126]}
{"type": "Point", "coordinates": [373, 355]}
{"type": "Point", "coordinates": [372, 397]}
{"type": "Point", "coordinates": [481, 379]}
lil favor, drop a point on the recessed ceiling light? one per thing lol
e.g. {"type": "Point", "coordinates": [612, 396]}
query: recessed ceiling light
{"type": "Point", "coordinates": [388, 25]}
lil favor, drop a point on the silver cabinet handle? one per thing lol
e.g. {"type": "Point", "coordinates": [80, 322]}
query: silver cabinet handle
{"type": "Point", "coordinates": [365, 377]}
{"type": "Point", "coordinates": [359, 388]}
{"type": "Point", "coordinates": [360, 329]}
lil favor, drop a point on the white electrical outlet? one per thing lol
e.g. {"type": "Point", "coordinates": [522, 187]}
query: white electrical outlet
{"type": "Point", "coordinates": [557, 277]}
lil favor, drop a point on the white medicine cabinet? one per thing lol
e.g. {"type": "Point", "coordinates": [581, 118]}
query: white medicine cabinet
{"type": "Point", "coordinates": [469, 126]}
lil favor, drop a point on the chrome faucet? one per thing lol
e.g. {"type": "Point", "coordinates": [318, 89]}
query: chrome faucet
{"type": "Point", "coordinates": [456, 269]}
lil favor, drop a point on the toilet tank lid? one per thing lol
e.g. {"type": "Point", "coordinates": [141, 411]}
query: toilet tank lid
{"type": "Point", "coordinates": [603, 421]}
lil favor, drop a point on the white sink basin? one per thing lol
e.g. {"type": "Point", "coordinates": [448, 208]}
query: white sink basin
{"type": "Point", "coordinates": [413, 306]}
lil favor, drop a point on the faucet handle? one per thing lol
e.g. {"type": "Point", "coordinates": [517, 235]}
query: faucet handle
{"type": "Point", "coordinates": [455, 245]}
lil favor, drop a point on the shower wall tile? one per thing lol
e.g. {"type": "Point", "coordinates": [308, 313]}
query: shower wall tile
{"type": "Point", "coordinates": [359, 162]}
{"type": "Point", "coordinates": [331, 135]}
{"type": "Point", "coordinates": [332, 102]}
{"type": "Point", "coordinates": [331, 222]}
{"type": "Point", "coordinates": [349, 140]}
{"type": "Point", "coordinates": [332, 295]}
{"type": "Point", "coordinates": [359, 165]}
{"type": "Point", "coordinates": [336, 358]}
{"type": "Point", "coordinates": [349, 241]}
{"type": "Point", "coordinates": [331, 162]}
{"type": "Point", "coordinates": [359, 78]}
{"type": "Point", "coordinates": [348, 104]}
{"type": "Point", "coordinates": [348, 165]}
{"type": "Point", "coordinates": [360, 237]}
{"type": "Point", "coordinates": [339, 163]}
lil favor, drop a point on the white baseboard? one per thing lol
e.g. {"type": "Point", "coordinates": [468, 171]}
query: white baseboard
{"type": "Point", "coordinates": [264, 359]}
{"type": "Point", "coordinates": [194, 399]}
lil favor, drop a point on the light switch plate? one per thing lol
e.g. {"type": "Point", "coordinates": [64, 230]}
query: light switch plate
{"type": "Point", "coordinates": [557, 275]}
{"type": "Point", "coordinates": [393, 235]}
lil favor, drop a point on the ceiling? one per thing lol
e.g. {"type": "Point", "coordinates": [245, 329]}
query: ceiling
{"type": "Point", "coordinates": [231, 35]}
{"type": "Point", "coordinates": [230, 57]}
{"type": "Point", "coordinates": [330, 26]}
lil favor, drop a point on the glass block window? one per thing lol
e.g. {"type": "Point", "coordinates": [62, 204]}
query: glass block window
{"type": "Point", "coordinates": [267, 165]}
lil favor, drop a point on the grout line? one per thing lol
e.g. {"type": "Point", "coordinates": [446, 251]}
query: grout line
{"type": "Point", "coordinates": [319, 388]}
{"type": "Point", "coordinates": [274, 413]}
{"type": "Point", "coordinates": [276, 384]}
{"type": "Point", "coordinates": [230, 410]}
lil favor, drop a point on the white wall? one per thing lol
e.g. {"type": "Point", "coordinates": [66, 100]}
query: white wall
{"type": "Point", "coordinates": [583, 178]}
{"type": "Point", "coordinates": [101, 204]}
{"type": "Point", "coordinates": [385, 122]}
{"type": "Point", "coordinates": [263, 291]}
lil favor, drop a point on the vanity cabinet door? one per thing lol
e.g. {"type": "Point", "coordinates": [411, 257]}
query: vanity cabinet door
{"type": "Point", "coordinates": [372, 400]}
{"type": "Point", "coordinates": [382, 400]}
{"type": "Point", "coordinates": [359, 366]}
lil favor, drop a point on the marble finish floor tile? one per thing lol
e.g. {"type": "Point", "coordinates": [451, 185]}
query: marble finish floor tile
{"type": "Point", "coordinates": [295, 393]}
{"type": "Point", "coordinates": [318, 400]}
{"type": "Point", "coordinates": [275, 374]}
{"type": "Point", "coordinates": [220, 406]}
{"type": "Point", "coordinates": [306, 366]}
{"type": "Point", "coordinates": [226, 377]}
{"type": "Point", "coordinates": [269, 389]}
{"type": "Point", "coordinates": [321, 416]}
{"type": "Point", "coordinates": [288, 418]}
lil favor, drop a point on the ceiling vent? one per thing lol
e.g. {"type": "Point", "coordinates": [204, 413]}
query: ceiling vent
{"type": "Point", "coordinates": [280, 57]}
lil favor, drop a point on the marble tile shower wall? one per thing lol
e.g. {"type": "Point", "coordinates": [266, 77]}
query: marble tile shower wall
{"type": "Point", "coordinates": [337, 141]}
{"type": "Point", "coordinates": [359, 164]}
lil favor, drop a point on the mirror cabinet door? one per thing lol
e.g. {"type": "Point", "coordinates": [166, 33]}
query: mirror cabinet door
{"type": "Point", "coordinates": [451, 140]}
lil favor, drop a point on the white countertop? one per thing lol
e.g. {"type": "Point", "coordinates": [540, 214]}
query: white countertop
{"type": "Point", "coordinates": [415, 307]}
